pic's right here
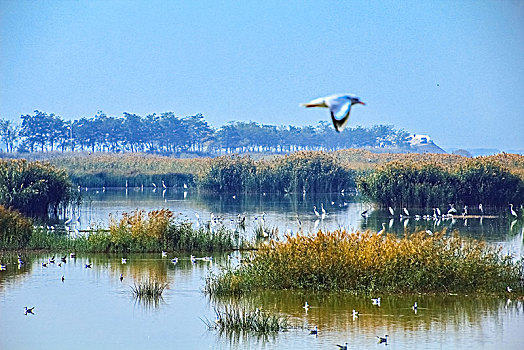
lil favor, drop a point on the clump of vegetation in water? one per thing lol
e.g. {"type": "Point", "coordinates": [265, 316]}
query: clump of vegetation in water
{"type": "Point", "coordinates": [33, 188]}
{"type": "Point", "coordinates": [148, 289]}
{"type": "Point", "coordinates": [159, 230]}
{"type": "Point", "coordinates": [15, 229]}
{"type": "Point", "coordinates": [230, 318]}
{"type": "Point", "coordinates": [369, 263]}
{"type": "Point", "coordinates": [486, 180]}
{"type": "Point", "coordinates": [297, 172]}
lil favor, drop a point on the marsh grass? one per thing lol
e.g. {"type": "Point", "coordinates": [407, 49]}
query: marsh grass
{"type": "Point", "coordinates": [148, 289]}
{"type": "Point", "coordinates": [135, 232]}
{"type": "Point", "coordinates": [15, 229]}
{"type": "Point", "coordinates": [369, 263]}
{"type": "Point", "coordinates": [148, 292]}
{"type": "Point", "coordinates": [235, 319]}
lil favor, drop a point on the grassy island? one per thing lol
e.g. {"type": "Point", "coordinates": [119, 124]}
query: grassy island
{"type": "Point", "coordinates": [370, 263]}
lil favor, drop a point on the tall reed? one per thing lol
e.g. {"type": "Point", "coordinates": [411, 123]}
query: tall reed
{"type": "Point", "coordinates": [33, 187]}
{"type": "Point", "coordinates": [15, 229]}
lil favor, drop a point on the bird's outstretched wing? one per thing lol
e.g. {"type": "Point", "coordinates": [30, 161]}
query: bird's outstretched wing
{"type": "Point", "coordinates": [340, 113]}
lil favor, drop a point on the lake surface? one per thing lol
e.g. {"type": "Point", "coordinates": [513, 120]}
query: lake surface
{"type": "Point", "coordinates": [92, 308]}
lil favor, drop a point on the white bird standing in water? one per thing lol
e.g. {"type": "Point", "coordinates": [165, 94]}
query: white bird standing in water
{"type": "Point", "coordinates": [339, 107]}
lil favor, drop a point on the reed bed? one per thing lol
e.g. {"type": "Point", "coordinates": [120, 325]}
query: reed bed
{"type": "Point", "coordinates": [234, 319]}
{"type": "Point", "coordinates": [160, 230]}
{"type": "Point", "coordinates": [138, 231]}
{"type": "Point", "coordinates": [363, 262]}
{"type": "Point", "coordinates": [135, 169]}
{"type": "Point", "coordinates": [15, 229]}
{"type": "Point", "coordinates": [427, 183]}
{"type": "Point", "coordinates": [33, 188]}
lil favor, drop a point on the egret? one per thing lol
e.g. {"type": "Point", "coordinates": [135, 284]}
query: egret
{"type": "Point", "coordinates": [391, 211]}
{"type": "Point", "coordinates": [513, 212]}
{"type": "Point", "coordinates": [355, 314]}
{"type": "Point", "coordinates": [339, 107]}
{"type": "Point", "coordinates": [405, 211]}
{"type": "Point", "coordinates": [383, 229]}
{"type": "Point", "coordinates": [306, 306]}
{"type": "Point", "coordinates": [452, 209]}
{"type": "Point", "coordinates": [481, 209]}
{"type": "Point", "coordinates": [315, 211]}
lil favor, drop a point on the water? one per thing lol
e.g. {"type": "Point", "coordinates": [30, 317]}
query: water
{"type": "Point", "coordinates": [92, 308]}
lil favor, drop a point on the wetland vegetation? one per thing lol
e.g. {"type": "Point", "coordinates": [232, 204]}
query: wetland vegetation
{"type": "Point", "coordinates": [363, 262]}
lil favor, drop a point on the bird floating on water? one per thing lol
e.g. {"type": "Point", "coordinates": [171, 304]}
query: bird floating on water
{"type": "Point", "coordinates": [355, 314]}
{"type": "Point", "coordinates": [29, 310]}
{"type": "Point", "coordinates": [2, 267]}
{"type": "Point", "coordinates": [339, 107]}
{"type": "Point", "coordinates": [164, 254]}
{"type": "Point", "coordinates": [121, 277]}
{"type": "Point", "coordinates": [383, 339]}
{"type": "Point", "coordinates": [415, 307]}
{"type": "Point", "coordinates": [88, 266]}
{"type": "Point", "coordinates": [314, 331]}
{"type": "Point", "coordinates": [375, 301]}
{"type": "Point", "coordinates": [343, 347]}
{"type": "Point", "coordinates": [306, 306]}
{"type": "Point", "coordinates": [124, 261]}
{"type": "Point", "coordinates": [508, 288]}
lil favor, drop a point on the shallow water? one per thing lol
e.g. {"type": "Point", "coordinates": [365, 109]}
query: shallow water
{"type": "Point", "coordinates": [91, 308]}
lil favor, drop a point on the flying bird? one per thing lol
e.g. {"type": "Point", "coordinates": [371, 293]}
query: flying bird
{"type": "Point", "coordinates": [339, 107]}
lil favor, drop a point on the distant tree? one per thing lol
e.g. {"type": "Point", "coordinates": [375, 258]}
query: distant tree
{"type": "Point", "coordinates": [9, 132]}
{"type": "Point", "coordinates": [37, 130]}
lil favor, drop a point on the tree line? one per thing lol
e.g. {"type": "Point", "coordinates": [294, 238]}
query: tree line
{"type": "Point", "coordinates": [170, 134]}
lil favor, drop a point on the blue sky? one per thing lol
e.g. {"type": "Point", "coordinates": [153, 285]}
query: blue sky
{"type": "Point", "coordinates": [450, 69]}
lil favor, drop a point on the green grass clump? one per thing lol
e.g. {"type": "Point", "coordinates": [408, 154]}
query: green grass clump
{"type": "Point", "coordinates": [148, 289]}
{"type": "Point", "coordinates": [370, 263]}
{"type": "Point", "coordinates": [230, 318]}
